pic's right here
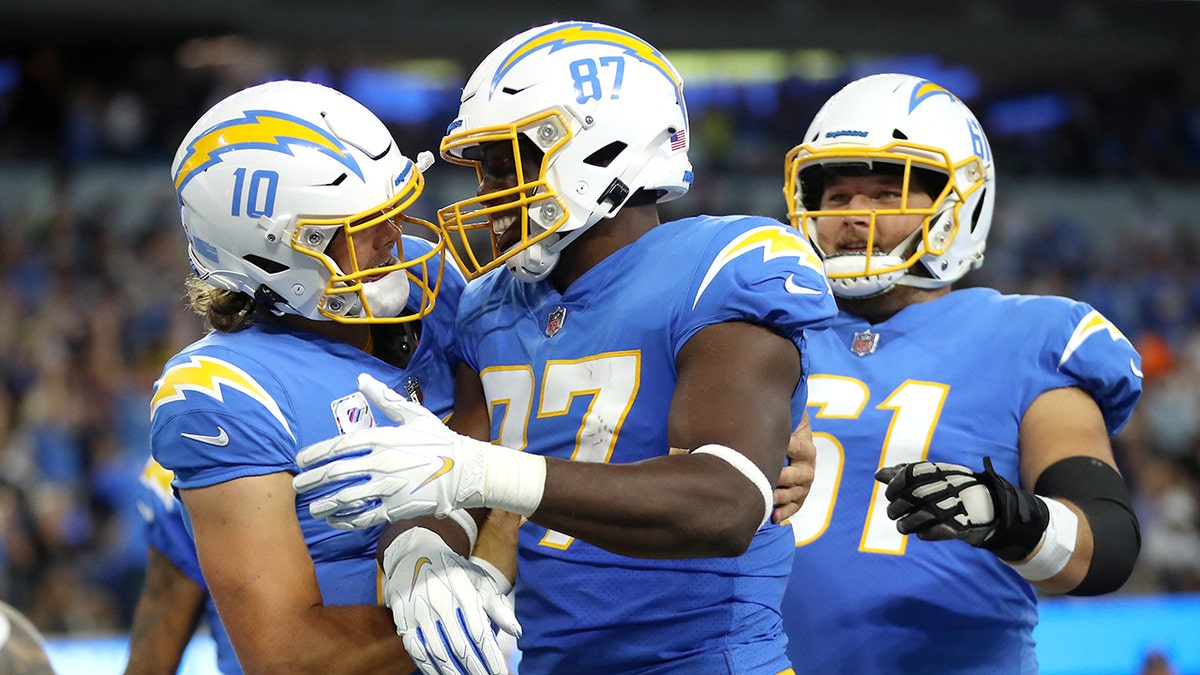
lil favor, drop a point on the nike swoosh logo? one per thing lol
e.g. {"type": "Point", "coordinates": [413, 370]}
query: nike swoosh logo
{"type": "Point", "coordinates": [794, 288]}
{"type": "Point", "coordinates": [447, 464]}
{"type": "Point", "coordinates": [1134, 368]}
{"type": "Point", "coordinates": [220, 440]}
{"type": "Point", "coordinates": [416, 571]}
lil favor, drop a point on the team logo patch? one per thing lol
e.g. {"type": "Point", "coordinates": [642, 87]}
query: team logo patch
{"type": "Point", "coordinates": [555, 322]}
{"type": "Point", "coordinates": [864, 343]}
{"type": "Point", "coordinates": [352, 413]}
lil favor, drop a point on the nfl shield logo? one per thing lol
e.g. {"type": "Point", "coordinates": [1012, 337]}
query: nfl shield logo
{"type": "Point", "coordinates": [555, 322]}
{"type": "Point", "coordinates": [412, 389]}
{"type": "Point", "coordinates": [864, 343]}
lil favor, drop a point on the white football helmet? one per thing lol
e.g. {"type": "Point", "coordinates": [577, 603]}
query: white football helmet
{"type": "Point", "coordinates": [607, 111]}
{"type": "Point", "coordinates": [919, 127]}
{"type": "Point", "coordinates": [269, 176]}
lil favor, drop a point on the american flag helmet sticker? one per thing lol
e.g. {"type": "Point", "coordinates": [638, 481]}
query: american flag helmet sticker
{"type": "Point", "coordinates": [679, 140]}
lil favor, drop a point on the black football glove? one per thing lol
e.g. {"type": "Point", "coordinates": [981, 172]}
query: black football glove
{"type": "Point", "coordinates": [938, 501]}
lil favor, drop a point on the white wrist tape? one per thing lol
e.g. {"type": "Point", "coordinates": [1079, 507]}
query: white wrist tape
{"type": "Point", "coordinates": [513, 480]}
{"type": "Point", "coordinates": [502, 583]}
{"type": "Point", "coordinates": [1056, 546]}
{"type": "Point", "coordinates": [467, 523]}
{"type": "Point", "coordinates": [748, 469]}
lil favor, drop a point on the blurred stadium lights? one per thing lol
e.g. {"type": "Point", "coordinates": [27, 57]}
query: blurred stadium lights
{"type": "Point", "coordinates": [1027, 114]}
{"type": "Point", "coordinates": [413, 92]}
{"type": "Point", "coordinates": [10, 74]}
{"type": "Point", "coordinates": [212, 52]}
{"type": "Point", "coordinates": [958, 79]}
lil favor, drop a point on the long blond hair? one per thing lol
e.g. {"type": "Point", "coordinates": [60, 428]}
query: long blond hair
{"type": "Point", "coordinates": [224, 311]}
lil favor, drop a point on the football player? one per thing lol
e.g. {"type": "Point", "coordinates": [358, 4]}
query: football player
{"type": "Point", "coordinates": [174, 597]}
{"type": "Point", "coordinates": [292, 198]}
{"type": "Point", "coordinates": [946, 414]}
{"type": "Point", "coordinates": [638, 380]}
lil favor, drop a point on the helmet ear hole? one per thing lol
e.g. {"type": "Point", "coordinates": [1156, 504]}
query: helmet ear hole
{"type": "Point", "coordinates": [978, 209]}
{"type": "Point", "coordinates": [605, 156]}
{"type": "Point", "coordinates": [265, 264]}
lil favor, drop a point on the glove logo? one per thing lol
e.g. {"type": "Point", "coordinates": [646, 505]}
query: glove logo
{"type": "Point", "coordinates": [421, 562]}
{"type": "Point", "coordinates": [447, 465]}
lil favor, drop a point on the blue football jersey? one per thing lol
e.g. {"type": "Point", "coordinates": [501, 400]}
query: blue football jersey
{"type": "Point", "coordinates": [243, 404]}
{"type": "Point", "coordinates": [947, 381]}
{"type": "Point", "coordinates": [589, 376]}
{"type": "Point", "coordinates": [165, 531]}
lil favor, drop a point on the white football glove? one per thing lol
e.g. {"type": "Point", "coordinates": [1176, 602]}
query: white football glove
{"type": "Point", "coordinates": [442, 604]}
{"type": "Point", "coordinates": [419, 468]}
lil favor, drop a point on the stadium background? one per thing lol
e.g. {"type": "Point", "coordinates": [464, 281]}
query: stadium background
{"type": "Point", "coordinates": [1092, 108]}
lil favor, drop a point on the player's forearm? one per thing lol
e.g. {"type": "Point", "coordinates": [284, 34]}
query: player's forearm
{"type": "Point", "coordinates": [325, 639]}
{"type": "Point", "coordinates": [165, 618]}
{"type": "Point", "coordinates": [687, 506]}
{"type": "Point", "coordinates": [1077, 565]}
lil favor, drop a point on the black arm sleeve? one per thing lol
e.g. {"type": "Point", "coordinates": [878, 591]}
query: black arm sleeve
{"type": "Point", "coordinates": [1100, 492]}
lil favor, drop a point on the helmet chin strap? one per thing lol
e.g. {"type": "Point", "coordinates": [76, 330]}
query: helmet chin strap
{"type": "Point", "coordinates": [388, 296]}
{"type": "Point", "coordinates": [874, 285]}
{"type": "Point", "coordinates": [535, 262]}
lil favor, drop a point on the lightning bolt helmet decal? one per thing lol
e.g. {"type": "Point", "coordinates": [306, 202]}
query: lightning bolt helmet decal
{"type": "Point", "coordinates": [259, 130]}
{"type": "Point", "coordinates": [559, 36]}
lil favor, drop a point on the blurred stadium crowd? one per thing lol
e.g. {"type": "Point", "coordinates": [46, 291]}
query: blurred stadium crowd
{"type": "Point", "coordinates": [92, 264]}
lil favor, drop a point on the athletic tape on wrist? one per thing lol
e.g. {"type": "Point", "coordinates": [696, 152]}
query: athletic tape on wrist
{"type": "Point", "coordinates": [513, 480]}
{"type": "Point", "coordinates": [748, 469]}
{"type": "Point", "coordinates": [1057, 545]}
{"type": "Point", "coordinates": [467, 523]}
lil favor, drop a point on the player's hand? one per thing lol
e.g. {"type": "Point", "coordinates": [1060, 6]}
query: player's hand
{"type": "Point", "coordinates": [796, 479]}
{"type": "Point", "coordinates": [385, 474]}
{"type": "Point", "coordinates": [443, 606]}
{"type": "Point", "coordinates": [939, 501]}
{"type": "Point", "coordinates": [399, 409]}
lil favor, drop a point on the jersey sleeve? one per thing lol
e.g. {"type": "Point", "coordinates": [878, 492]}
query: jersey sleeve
{"type": "Point", "coordinates": [1089, 352]}
{"type": "Point", "coordinates": [212, 421]}
{"type": "Point", "coordinates": [163, 517]}
{"type": "Point", "coordinates": [758, 271]}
